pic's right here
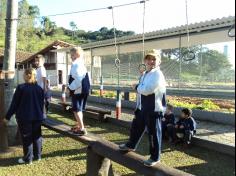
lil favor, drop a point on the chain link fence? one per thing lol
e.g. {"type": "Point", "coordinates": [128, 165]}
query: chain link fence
{"type": "Point", "coordinates": [209, 70]}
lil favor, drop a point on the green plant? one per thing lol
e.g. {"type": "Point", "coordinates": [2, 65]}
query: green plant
{"type": "Point", "coordinates": [209, 105]}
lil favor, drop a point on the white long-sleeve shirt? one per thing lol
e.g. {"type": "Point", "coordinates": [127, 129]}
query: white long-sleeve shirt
{"type": "Point", "coordinates": [78, 72]}
{"type": "Point", "coordinates": [40, 74]}
{"type": "Point", "coordinates": [153, 83]}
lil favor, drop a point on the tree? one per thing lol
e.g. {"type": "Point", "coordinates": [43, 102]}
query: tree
{"type": "Point", "coordinates": [48, 27]}
{"type": "Point", "coordinates": [2, 16]}
{"type": "Point", "coordinates": [74, 28]}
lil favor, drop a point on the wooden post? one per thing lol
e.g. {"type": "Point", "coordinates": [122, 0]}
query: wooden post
{"type": "Point", "coordinates": [127, 97]}
{"type": "Point", "coordinates": [98, 165]}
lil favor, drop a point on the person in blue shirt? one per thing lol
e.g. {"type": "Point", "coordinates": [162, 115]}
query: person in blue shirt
{"type": "Point", "coordinates": [28, 104]}
{"type": "Point", "coordinates": [168, 122]}
{"type": "Point", "coordinates": [185, 128]}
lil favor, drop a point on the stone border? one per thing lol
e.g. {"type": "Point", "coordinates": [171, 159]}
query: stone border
{"type": "Point", "coordinates": [215, 117]}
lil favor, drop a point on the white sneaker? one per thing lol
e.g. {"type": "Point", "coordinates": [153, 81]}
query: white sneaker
{"type": "Point", "coordinates": [22, 161]}
{"type": "Point", "coordinates": [150, 163]}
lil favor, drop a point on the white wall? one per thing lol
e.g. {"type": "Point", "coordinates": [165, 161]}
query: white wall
{"type": "Point", "coordinates": [53, 77]}
{"type": "Point", "coordinates": [51, 74]}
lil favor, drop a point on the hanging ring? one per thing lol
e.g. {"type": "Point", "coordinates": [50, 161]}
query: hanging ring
{"type": "Point", "coordinates": [142, 67]}
{"type": "Point", "coordinates": [117, 63]}
{"type": "Point", "coordinates": [189, 55]}
{"type": "Point", "coordinates": [230, 32]}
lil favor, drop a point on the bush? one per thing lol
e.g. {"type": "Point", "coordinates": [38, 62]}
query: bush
{"type": "Point", "coordinates": [209, 105]}
{"type": "Point", "coordinates": [206, 105]}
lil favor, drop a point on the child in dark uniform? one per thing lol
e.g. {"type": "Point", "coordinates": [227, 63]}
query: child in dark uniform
{"type": "Point", "coordinates": [28, 104]}
{"type": "Point", "coordinates": [185, 127]}
{"type": "Point", "coordinates": [168, 122]}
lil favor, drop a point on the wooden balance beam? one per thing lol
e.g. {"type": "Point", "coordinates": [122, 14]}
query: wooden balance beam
{"type": "Point", "coordinates": [100, 153]}
{"type": "Point", "coordinates": [102, 113]}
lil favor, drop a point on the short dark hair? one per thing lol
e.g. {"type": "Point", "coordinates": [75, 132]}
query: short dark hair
{"type": "Point", "coordinates": [40, 57]}
{"type": "Point", "coordinates": [170, 107]}
{"type": "Point", "coordinates": [187, 112]}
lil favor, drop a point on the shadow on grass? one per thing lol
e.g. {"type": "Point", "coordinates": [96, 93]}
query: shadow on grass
{"type": "Point", "coordinates": [213, 163]}
{"type": "Point", "coordinates": [7, 162]}
{"type": "Point", "coordinates": [50, 136]}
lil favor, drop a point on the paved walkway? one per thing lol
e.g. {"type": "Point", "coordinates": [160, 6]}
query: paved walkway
{"type": "Point", "coordinates": [224, 134]}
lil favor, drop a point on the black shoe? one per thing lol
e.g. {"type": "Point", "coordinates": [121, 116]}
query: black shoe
{"type": "Point", "coordinates": [125, 148]}
{"type": "Point", "coordinates": [80, 132]}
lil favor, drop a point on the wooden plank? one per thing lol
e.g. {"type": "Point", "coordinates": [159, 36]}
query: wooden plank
{"type": "Point", "coordinates": [110, 150]}
{"type": "Point", "coordinates": [63, 129]}
{"type": "Point", "coordinates": [90, 108]}
{"type": "Point", "coordinates": [133, 161]}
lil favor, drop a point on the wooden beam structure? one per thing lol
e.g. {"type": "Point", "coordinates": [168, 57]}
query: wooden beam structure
{"type": "Point", "coordinates": [100, 152]}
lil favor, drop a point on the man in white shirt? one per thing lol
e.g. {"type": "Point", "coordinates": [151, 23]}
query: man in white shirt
{"type": "Point", "coordinates": [41, 74]}
{"type": "Point", "coordinates": [79, 87]}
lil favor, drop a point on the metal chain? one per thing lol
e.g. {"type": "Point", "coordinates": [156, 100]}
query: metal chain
{"type": "Point", "coordinates": [144, 14]}
{"type": "Point", "coordinates": [117, 60]}
{"type": "Point", "coordinates": [187, 23]}
{"type": "Point", "coordinates": [143, 66]}
{"type": "Point", "coordinates": [189, 55]}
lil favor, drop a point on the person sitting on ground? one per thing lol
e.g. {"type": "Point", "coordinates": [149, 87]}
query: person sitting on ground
{"type": "Point", "coordinates": [138, 125]}
{"type": "Point", "coordinates": [28, 105]}
{"type": "Point", "coordinates": [79, 88]}
{"type": "Point", "coordinates": [168, 122]}
{"type": "Point", "coordinates": [185, 128]}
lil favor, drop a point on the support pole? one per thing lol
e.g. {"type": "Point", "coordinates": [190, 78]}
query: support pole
{"type": "Point", "coordinates": [101, 87]}
{"type": "Point", "coordinates": [9, 63]}
{"type": "Point", "coordinates": [97, 165]}
{"type": "Point", "coordinates": [3, 128]}
{"type": "Point", "coordinates": [180, 61]}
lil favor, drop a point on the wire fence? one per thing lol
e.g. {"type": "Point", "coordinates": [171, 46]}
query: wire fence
{"type": "Point", "coordinates": [210, 70]}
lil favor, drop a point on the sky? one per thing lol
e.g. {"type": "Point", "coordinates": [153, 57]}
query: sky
{"type": "Point", "coordinates": [160, 14]}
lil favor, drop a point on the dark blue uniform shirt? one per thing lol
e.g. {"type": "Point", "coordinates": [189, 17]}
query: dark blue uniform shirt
{"type": "Point", "coordinates": [170, 119]}
{"type": "Point", "coordinates": [27, 103]}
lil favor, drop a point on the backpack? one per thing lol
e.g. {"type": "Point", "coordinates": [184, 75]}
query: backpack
{"type": "Point", "coordinates": [86, 85]}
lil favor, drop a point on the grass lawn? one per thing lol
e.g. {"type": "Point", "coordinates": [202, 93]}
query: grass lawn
{"type": "Point", "coordinates": [66, 157]}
